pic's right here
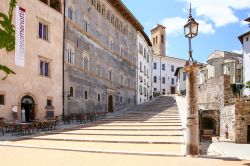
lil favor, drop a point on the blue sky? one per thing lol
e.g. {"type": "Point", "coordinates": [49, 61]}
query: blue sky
{"type": "Point", "coordinates": [221, 22]}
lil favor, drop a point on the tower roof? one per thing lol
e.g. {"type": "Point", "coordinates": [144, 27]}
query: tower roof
{"type": "Point", "coordinates": [157, 27]}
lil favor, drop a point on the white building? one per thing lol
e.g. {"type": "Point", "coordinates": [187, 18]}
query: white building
{"type": "Point", "coordinates": [164, 79]}
{"type": "Point", "coordinates": [181, 80]}
{"type": "Point", "coordinates": [164, 67]}
{"type": "Point", "coordinates": [245, 41]}
{"type": "Point", "coordinates": [144, 70]}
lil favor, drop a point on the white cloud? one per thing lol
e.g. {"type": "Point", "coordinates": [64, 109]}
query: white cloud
{"type": "Point", "coordinates": [175, 26]}
{"type": "Point", "coordinates": [243, 23]}
{"type": "Point", "coordinates": [221, 12]}
{"type": "Point", "coordinates": [238, 51]}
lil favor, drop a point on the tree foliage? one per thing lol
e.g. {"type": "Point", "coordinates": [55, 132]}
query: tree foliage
{"type": "Point", "coordinates": [248, 84]}
{"type": "Point", "coordinates": [7, 35]}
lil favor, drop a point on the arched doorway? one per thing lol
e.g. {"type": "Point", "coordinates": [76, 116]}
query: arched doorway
{"type": "Point", "coordinates": [27, 102]}
{"type": "Point", "coordinates": [110, 104]}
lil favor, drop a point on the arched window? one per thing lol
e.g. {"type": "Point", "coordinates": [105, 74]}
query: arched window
{"type": "Point", "coordinates": [98, 6]}
{"type": "Point", "coordinates": [108, 15]}
{"type": "Point", "coordinates": [86, 63]}
{"type": "Point", "coordinates": [70, 13]}
{"type": "Point", "coordinates": [93, 2]}
{"type": "Point", "coordinates": [86, 94]}
{"type": "Point", "coordinates": [103, 10]}
{"type": "Point", "coordinates": [70, 56]}
{"type": "Point", "coordinates": [71, 92]}
{"type": "Point", "coordinates": [112, 20]}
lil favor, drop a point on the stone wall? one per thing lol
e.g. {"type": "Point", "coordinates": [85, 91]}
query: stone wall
{"type": "Point", "coordinates": [242, 116]}
{"type": "Point", "coordinates": [227, 122]}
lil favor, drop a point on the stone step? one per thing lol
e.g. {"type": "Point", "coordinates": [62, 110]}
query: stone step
{"type": "Point", "coordinates": [117, 134]}
{"type": "Point", "coordinates": [134, 124]}
{"type": "Point", "coordinates": [131, 127]}
{"type": "Point", "coordinates": [126, 132]}
{"type": "Point", "coordinates": [113, 139]}
{"type": "Point", "coordinates": [113, 148]}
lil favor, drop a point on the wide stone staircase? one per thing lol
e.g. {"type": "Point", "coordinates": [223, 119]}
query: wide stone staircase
{"type": "Point", "coordinates": [152, 129]}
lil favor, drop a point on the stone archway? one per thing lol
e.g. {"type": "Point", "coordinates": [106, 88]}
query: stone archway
{"type": "Point", "coordinates": [28, 103]}
{"type": "Point", "coordinates": [110, 104]}
{"type": "Point", "coordinates": [208, 126]}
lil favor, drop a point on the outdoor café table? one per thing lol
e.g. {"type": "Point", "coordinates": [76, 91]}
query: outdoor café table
{"type": "Point", "coordinates": [47, 124]}
{"type": "Point", "coordinates": [18, 128]}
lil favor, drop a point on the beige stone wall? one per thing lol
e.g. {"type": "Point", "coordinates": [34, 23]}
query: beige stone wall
{"type": "Point", "coordinates": [27, 80]}
{"type": "Point", "coordinates": [242, 116]}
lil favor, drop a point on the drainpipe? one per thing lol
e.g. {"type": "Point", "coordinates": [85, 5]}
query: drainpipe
{"type": "Point", "coordinates": [63, 76]}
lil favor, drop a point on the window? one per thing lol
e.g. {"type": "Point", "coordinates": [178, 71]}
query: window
{"type": "Point", "coordinates": [85, 23]}
{"type": "Point", "coordinates": [155, 79]}
{"type": "Point", "coordinates": [110, 43]}
{"type": "Point", "coordinates": [246, 39]}
{"type": "Point", "coordinates": [86, 94]}
{"type": "Point", "coordinates": [184, 76]}
{"type": "Point", "coordinates": [172, 81]}
{"type": "Point", "coordinates": [140, 48]}
{"type": "Point", "coordinates": [140, 89]}
{"type": "Point", "coordinates": [156, 40]}
{"type": "Point", "coordinates": [140, 66]}
{"type": "Point", "coordinates": [110, 74]}
{"type": "Point", "coordinates": [70, 56]}
{"type": "Point", "coordinates": [70, 13]}
{"type": "Point", "coordinates": [145, 53]}
{"type": "Point", "coordinates": [162, 38]}
{"type": "Point", "coordinates": [120, 99]}
{"type": "Point", "coordinates": [2, 99]}
{"type": "Point", "coordinates": [121, 79]}
{"type": "Point", "coordinates": [43, 31]}
{"type": "Point", "coordinates": [163, 66]}
{"type": "Point", "coordinates": [98, 6]}
{"type": "Point", "coordinates": [163, 80]}
{"type": "Point", "coordinates": [98, 69]}
{"type": "Point", "coordinates": [71, 92]}
{"type": "Point", "coordinates": [86, 63]}
{"type": "Point", "coordinates": [145, 70]}
{"type": "Point", "coordinates": [155, 65]}
{"type": "Point", "coordinates": [172, 68]}
{"type": "Point", "coordinates": [49, 102]}
{"type": "Point", "coordinates": [99, 97]}
{"type": "Point", "coordinates": [93, 2]}
{"type": "Point", "coordinates": [103, 10]}
{"type": "Point", "coordinates": [44, 68]}
{"type": "Point", "coordinates": [155, 89]}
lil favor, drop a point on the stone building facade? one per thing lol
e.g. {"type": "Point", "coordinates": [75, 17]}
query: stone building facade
{"type": "Point", "coordinates": [100, 56]}
{"type": "Point", "coordinates": [37, 85]}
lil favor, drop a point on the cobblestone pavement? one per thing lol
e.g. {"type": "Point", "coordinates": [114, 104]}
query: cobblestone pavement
{"type": "Point", "coordinates": [150, 135]}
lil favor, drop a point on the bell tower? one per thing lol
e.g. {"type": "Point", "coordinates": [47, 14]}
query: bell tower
{"type": "Point", "coordinates": [158, 38]}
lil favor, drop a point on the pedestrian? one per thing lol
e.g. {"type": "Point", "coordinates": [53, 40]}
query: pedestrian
{"type": "Point", "coordinates": [23, 115]}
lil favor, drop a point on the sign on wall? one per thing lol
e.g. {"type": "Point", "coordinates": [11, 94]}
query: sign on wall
{"type": "Point", "coordinates": [20, 37]}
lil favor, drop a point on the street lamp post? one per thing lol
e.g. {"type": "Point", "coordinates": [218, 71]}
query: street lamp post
{"type": "Point", "coordinates": [191, 67]}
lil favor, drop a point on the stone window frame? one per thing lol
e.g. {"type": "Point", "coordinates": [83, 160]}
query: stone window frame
{"type": "Point", "coordinates": [44, 22]}
{"type": "Point", "coordinates": [121, 79]}
{"type": "Point", "coordinates": [110, 73]}
{"type": "Point", "coordinates": [98, 68]}
{"type": "Point", "coordinates": [71, 91]}
{"type": "Point", "coordinates": [69, 46]}
{"type": "Point", "coordinates": [86, 23]}
{"type": "Point", "coordinates": [111, 41]}
{"type": "Point", "coordinates": [155, 79]}
{"type": "Point", "coordinates": [46, 60]}
{"type": "Point", "coordinates": [86, 94]}
{"type": "Point", "coordinates": [85, 57]}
